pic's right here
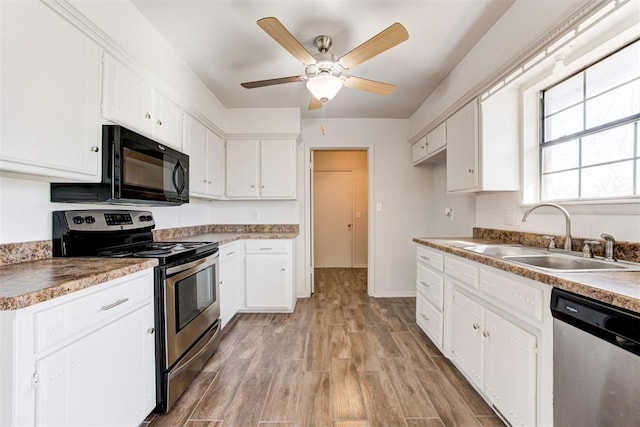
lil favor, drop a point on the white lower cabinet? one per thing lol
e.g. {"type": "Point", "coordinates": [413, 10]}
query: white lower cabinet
{"type": "Point", "coordinates": [231, 281]}
{"type": "Point", "coordinates": [494, 327]}
{"type": "Point", "coordinates": [269, 275]}
{"type": "Point", "coordinates": [498, 356]}
{"type": "Point", "coordinates": [83, 359]}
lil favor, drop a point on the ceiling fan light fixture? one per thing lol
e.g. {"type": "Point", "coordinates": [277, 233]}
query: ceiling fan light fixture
{"type": "Point", "coordinates": [324, 86]}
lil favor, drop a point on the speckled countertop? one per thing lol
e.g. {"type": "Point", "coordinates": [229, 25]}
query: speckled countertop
{"type": "Point", "coordinates": [621, 289]}
{"type": "Point", "coordinates": [27, 283]}
{"type": "Point", "coordinates": [224, 238]}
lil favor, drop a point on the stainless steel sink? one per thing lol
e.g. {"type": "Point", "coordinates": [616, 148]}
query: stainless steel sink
{"type": "Point", "coordinates": [571, 263]}
{"type": "Point", "coordinates": [500, 251]}
{"type": "Point", "coordinates": [551, 261]}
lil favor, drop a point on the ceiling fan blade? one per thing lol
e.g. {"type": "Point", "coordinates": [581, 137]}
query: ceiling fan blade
{"type": "Point", "coordinates": [372, 86]}
{"type": "Point", "coordinates": [279, 33]}
{"type": "Point", "coordinates": [392, 36]}
{"type": "Point", "coordinates": [271, 82]}
{"type": "Point", "coordinates": [314, 103]}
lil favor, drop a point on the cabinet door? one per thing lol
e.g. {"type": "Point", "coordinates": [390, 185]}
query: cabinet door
{"type": "Point", "coordinates": [195, 145]}
{"type": "Point", "coordinates": [510, 369]}
{"type": "Point", "coordinates": [126, 98]}
{"type": "Point", "coordinates": [462, 148]}
{"type": "Point", "coordinates": [230, 282]}
{"type": "Point", "coordinates": [278, 169]}
{"type": "Point", "coordinates": [466, 336]}
{"type": "Point", "coordinates": [267, 281]}
{"type": "Point", "coordinates": [242, 159]}
{"type": "Point", "coordinates": [418, 150]}
{"type": "Point", "coordinates": [82, 383]}
{"type": "Point", "coordinates": [215, 165]}
{"type": "Point", "coordinates": [437, 138]}
{"type": "Point", "coordinates": [49, 94]}
{"type": "Point", "coordinates": [166, 121]}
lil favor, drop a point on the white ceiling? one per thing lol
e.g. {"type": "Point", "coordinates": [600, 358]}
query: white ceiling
{"type": "Point", "coordinates": [220, 40]}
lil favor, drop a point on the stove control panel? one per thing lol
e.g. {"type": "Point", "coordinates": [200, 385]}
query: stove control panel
{"type": "Point", "coordinates": [105, 220]}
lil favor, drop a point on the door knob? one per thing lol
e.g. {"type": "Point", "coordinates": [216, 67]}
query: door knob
{"type": "Point", "coordinates": [349, 226]}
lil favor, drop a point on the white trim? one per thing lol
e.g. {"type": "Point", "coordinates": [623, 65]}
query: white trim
{"type": "Point", "coordinates": [308, 262]}
{"type": "Point", "coordinates": [593, 207]}
{"type": "Point", "coordinates": [390, 294]}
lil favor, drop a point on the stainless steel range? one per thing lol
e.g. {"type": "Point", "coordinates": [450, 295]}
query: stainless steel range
{"type": "Point", "coordinates": [186, 287]}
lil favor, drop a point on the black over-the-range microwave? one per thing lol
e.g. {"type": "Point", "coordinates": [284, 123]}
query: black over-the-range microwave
{"type": "Point", "coordinates": [135, 170]}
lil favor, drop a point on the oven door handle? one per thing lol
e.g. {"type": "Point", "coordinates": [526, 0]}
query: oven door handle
{"type": "Point", "coordinates": [204, 262]}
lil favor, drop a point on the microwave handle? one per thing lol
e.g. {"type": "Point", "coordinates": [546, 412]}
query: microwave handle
{"type": "Point", "coordinates": [178, 178]}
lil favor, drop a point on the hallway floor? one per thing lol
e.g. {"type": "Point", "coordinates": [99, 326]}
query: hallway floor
{"type": "Point", "coordinates": [340, 359]}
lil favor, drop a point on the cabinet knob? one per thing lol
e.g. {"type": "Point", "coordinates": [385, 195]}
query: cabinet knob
{"type": "Point", "coordinates": [422, 146]}
{"type": "Point", "coordinates": [476, 326]}
{"type": "Point", "coordinates": [485, 334]}
{"type": "Point", "coordinates": [423, 283]}
{"type": "Point", "coordinates": [208, 182]}
{"type": "Point", "coordinates": [147, 116]}
{"type": "Point", "coordinates": [424, 316]}
{"type": "Point", "coordinates": [283, 269]}
{"type": "Point", "coordinates": [95, 148]}
{"type": "Point", "coordinates": [204, 180]}
{"type": "Point", "coordinates": [470, 171]}
{"type": "Point", "coordinates": [159, 122]}
{"type": "Point", "coordinates": [151, 331]}
{"type": "Point", "coordinates": [253, 186]}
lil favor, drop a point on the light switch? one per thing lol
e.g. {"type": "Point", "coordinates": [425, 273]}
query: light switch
{"type": "Point", "coordinates": [378, 207]}
{"type": "Point", "coordinates": [358, 215]}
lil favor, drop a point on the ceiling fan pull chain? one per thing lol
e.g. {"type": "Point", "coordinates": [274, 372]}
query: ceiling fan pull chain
{"type": "Point", "coordinates": [322, 128]}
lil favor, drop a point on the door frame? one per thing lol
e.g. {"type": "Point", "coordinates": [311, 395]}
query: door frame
{"type": "Point", "coordinates": [353, 208]}
{"type": "Point", "coordinates": [308, 211]}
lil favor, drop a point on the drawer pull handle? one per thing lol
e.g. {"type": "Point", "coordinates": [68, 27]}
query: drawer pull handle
{"type": "Point", "coordinates": [476, 326]}
{"type": "Point", "coordinates": [424, 316]}
{"type": "Point", "coordinates": [151, 331]}
{"type": "Point", "coordinates": [485, 334]}
{"type": "Point", "coordinates": [114, 304]}
{"type": "Point", "coordinates": [266, 249]}
{"type": "Point", "coordinates": [424, 283]}
{"type": "Point", "coordinates": [230, 253]}
{"type": "Point", "coordinates": [426, 258]}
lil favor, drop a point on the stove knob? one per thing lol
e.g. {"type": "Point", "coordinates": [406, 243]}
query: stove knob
{"type": "Point", "coordinates": [78, 220]}
{"type": "Point", "coordinates": [89, 219]}
{"type": "Point", "coordinates": [148, 218]}
{"type": "Point", "coordinates": [142, 218]}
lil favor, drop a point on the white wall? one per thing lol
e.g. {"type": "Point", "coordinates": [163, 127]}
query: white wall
{"type": "Point", "coordinates": [401, 189]}
{"type": "Point", "coordinates": [464, 208]}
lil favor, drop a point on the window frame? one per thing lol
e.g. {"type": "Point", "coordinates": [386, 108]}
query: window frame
{"type": "Point", "coordinates": [633, 119]}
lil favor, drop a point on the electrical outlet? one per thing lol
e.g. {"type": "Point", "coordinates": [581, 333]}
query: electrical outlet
{"type": "Point", "coordinates": [507, 216]}
{"type": "Point", "coordinates": [378, 207]}
{"type": "Point", "coordinates": [448, 212]}
{"type": "Point", "coordinates": [254, 215]}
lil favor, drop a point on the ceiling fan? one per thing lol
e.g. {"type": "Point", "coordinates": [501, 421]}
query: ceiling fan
{"type": "Point", "coordinates": [324, 72]}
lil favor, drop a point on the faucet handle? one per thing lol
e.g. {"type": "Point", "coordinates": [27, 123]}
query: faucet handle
{"type": "Point", "coordinates": [586, 249]}
{"type": "Point", "coordinates": [552, 241]}
{"type": "Point", "coordinates": [606, 236]}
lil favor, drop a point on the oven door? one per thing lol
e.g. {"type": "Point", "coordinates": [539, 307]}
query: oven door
{"type": "Point", "coordinates": [192, 304]}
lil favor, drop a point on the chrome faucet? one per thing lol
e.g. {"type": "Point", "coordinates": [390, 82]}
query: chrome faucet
{"type": "Point", "coordinates": [567, 238]}
{"type": "Point", "coordinates": [608, 246]}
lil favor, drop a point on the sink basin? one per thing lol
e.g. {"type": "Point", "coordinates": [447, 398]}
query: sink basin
{"type": "Point", "coordinates": [570, 263]}
{"type": "Point", "coordinates": [550, 261]}
{"type": "Point", "coordinates": [500, 251]}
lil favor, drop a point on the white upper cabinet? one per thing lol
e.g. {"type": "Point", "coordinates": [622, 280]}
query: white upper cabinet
{"type": "Point", "coordinates": [437, 139]}
{"type": "Point", "coordinates": [278, 169]}
{"type": "Point", "coordinates": [49, 95]}
{"type": "Point", "coordinates": [419, 150]}
{"type": "Point", "coordinates": [462, 149]}
{"type": "Point", "coordinates": [206, 160]}
{"type": "Point", "coordinates": [483, 148]}
{"type": "Point", "coordinates": [243, 162]}
{"type": "Point", "coordinates": [127, 99]}
{"type": "Point", "coordinates": [261, 169]}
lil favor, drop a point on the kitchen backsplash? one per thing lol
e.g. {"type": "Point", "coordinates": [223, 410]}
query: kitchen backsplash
{"type": "Point", "coordinates": [624, 251]}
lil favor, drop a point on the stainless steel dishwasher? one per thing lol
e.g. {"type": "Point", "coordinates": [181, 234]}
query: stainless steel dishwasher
{"type": "Point", "coordinates": [596, 363]}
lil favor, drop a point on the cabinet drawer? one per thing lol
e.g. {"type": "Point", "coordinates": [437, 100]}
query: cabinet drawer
{"type": "Point", "coordinates": [429, 319]}
{"type": "Point", "coordinates": [228, 251]}
{"type": "Point", "coordinates": [267, 246]}
{"type": "Point", "coordinates": [86, 313]}
{"type": "Point", "coordinates": [430, 285]}
{"type": "Point", "coordinates": [432, 258]}
{"type": "Point", "coordinates": [462, 271]}
{"type": "Point", "coordinates": [524, 299]}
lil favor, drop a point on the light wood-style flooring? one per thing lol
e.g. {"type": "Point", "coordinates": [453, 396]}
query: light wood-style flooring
{"type": "Point", "coordinates": [341, 359]}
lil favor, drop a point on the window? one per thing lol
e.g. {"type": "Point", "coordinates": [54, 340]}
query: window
{"type": "Point", "coordinates": [590, 138]}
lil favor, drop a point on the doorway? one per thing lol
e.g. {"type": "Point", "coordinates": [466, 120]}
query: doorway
{"type": "Point", "coordinates": [340, 208]}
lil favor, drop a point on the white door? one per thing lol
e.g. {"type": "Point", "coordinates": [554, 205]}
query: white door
{"type": "Point", "coordinates": [333, 218]}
